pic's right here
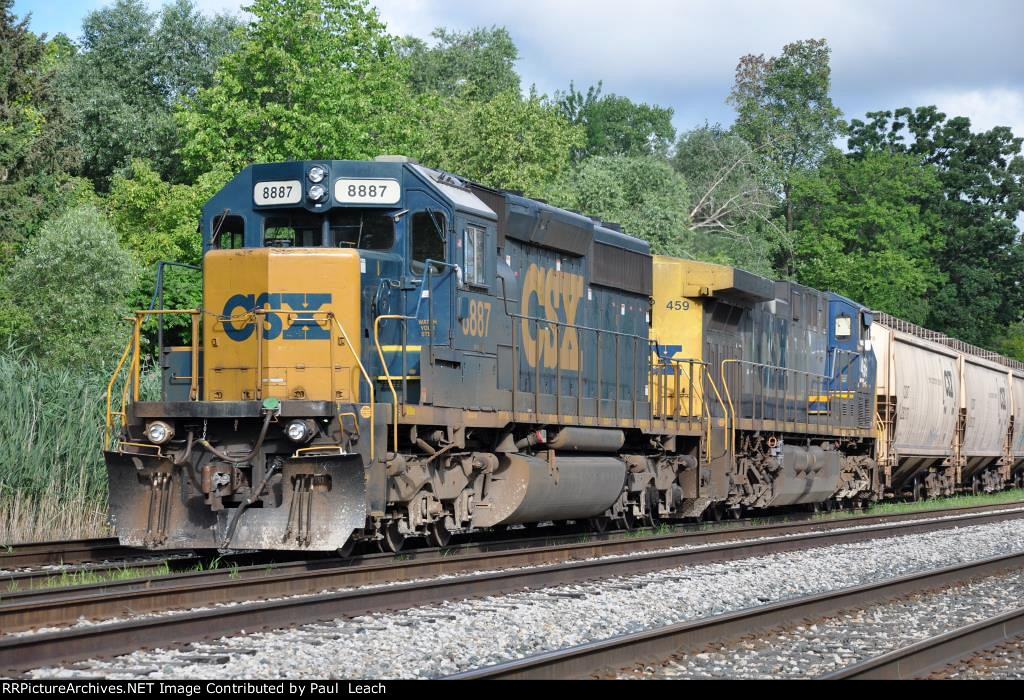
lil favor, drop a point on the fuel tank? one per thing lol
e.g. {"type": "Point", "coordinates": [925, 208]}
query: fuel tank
{"type": "Point", "coordinates": [529, 489]}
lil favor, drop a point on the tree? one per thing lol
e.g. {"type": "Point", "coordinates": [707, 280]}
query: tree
{"type": "Point", "coordinates": [731, 203]}
{"type": "Point", "coordinates": [69, 292]}
{"type": "Point", "coordinates": [616, 125]}
{"type": "Point", "coordinates": [309, 79]}
{"type": "Point", "coordinates": [865, 228]}
{"type": "Point", "coordinates": [982, 195]}
{"type": "Point", "coordinates": [642, 193]}
{"type": "Point", "coordinates": [515, 142]}
{"type": "Point", "coordinates": [133, 67]}
{"type": "Point", "coordinates": [37, 140]}
{"type": "Point", "coordinates": [783, 109]}
{"type": "Point", "coordinates": [156, 220]}
{"type": "Point", "coordinates": [478, 64]}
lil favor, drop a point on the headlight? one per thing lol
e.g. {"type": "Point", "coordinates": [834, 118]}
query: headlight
{"type": "Point", "coordinates": [317, 193]}
{"type": "Point", "coordinates": [298, 431]}
{"type": "Point", "coordinates": [317, 174]}
{"type": "Point", "coordinates": [159, 432]}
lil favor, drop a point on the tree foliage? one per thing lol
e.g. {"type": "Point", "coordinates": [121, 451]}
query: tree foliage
{"type": "Point", "coordinates": [641, 193]}
{"type": "Point", "coordinates": [132, 68]}
{"type": "Point", "coordinates": [616, 125]}
{"type": "Point", "coordinates": [784, 110]}
{"type": "Point", "coordinates": [309, 79]}
{"type": "Point", "coordinates": [510, 141]}
{"type": "Point", "coordinates": [731, 203]}
{"type": "Point", "coordinates": [982, 194]}
{"type": "Point", "coordinates": [68, 293]}
{"type": "Point", "coordinates": [37, 139]}
{"type": "Point", "coordinates": [478, 64]}
{"type": "Point", "coordinates": [865, 228]}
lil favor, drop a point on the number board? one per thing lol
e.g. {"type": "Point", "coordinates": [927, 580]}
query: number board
{"type": "Point", "coordinates": [277, 192]}
{"type": "Point", "coordinates": [353, 191]}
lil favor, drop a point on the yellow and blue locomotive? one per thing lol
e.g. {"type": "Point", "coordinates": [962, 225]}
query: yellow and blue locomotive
{"type": "Point", "coordinates": [385, 351]}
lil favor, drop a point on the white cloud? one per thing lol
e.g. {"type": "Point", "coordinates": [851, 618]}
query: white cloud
{"type": "Point", "coordinates": [986, 108]}
{"type": "Point", "coordinates": [964, 57]}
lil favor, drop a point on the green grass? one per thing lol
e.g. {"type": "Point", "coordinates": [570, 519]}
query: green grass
{"type": "Point", "coordinates": [86, 576]}
{"type": "Point", "coordinates": [53, 480]}
{"type": "Point", "coordinates": [986, 499]}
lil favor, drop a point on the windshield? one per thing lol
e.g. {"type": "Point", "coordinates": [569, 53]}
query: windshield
{"type": "Point", "coordinates": [368, 229]}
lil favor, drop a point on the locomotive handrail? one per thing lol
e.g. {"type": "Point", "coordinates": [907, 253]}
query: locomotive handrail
{"type": "Point", "coordinates": [823, 378]}
{"type": "Point", "coordinates": [387, 371]}
{"type": "Point", "coordinates": [132, 381]}
{"type": "Point", "coordinates": [366, 376]}
{"type": "Point", "coordinates": [706, 415]}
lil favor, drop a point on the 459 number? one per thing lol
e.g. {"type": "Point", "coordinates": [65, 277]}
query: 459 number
{"type": "Point", "coordinates": [678, 305]}
{"type": "Point", "coordinates": [478, 321]}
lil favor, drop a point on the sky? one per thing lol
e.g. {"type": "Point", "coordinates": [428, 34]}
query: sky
{"type": "Point", "coordinates": [963, 57]}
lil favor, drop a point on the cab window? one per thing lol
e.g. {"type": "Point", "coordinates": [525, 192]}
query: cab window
{"type": "Point", "coordinates": [843, 327]}
{"type": "Point", "coordinates": [228, 232]}
{"type": "Point", "coordinates": [298, 230]}
{"type": "Point", "coordinates": [428, 239]}
{"type": "Point", "coordinates": [368, 230]}
{"type": "Point", "coordinates": [475, 250]}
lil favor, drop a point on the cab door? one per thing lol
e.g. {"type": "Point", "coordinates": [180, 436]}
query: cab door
{"type": "Point", "coordinates": [476, 256]}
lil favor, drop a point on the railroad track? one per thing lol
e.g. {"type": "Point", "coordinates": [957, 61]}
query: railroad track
{"type": "Point", "coordinates": [542, 566]}
{"type": "Point", "coordinates": [68, 552]}
{"type": "Point", "coordinates": [933, 654]}
{"type": "Point", "coordinates": [623, 651]}
{"type": "Point", "coordinates": [105, 559]}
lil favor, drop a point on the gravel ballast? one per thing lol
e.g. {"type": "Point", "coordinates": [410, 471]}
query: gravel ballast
{"type": "Point", "coordinates": [439, 640]}
{"type": "Point", "coordinates": [812, 650]}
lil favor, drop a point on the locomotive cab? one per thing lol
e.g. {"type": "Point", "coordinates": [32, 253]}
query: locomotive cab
{"type": "Point", "coordinates": [301, 350]}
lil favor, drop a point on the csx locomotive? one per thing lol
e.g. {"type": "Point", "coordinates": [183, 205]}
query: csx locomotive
{"type": "Point", "coordinates": [385, 351]}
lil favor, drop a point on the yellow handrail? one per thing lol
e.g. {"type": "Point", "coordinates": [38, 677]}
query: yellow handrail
{"type": "Point", "coordinates": [718, 395]}
{"type": "Point", "coordinates": [134, 349]}
{"type": "Point", "coordinates": [110, 390]}
{"type": "Point", "coordinates": [366, 376]}
{"type": "Point", "coordinates": [387, 372]}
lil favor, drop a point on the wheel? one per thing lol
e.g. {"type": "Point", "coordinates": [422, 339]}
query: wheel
{"type": "Point", "coordinates": [736, 512]}
{"type": "Point", "coordinates": [598, 524]}
{"type": "Point", "coordinates": [716, 512]}
{"type": "Point", "coordinates": [438, 534]}
{"type": "Point", "coordinates": [345, 551]}
{"type": "Point", "coordinates": [393, 539]}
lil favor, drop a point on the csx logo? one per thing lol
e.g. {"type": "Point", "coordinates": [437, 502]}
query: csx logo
{"type": "Point", "coordinates": [303, 326]}
{"type": "Point", "coordinates": [553, 295]}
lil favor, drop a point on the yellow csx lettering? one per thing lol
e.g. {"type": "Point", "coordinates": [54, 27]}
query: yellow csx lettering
{"type": "Point", "coordinates": [555, 291]}
{"type": "Point", "coordinates": [478, 321]}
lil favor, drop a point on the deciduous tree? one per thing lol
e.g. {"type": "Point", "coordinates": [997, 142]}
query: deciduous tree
{"type": "Point", "coordinates": [982, 195]}
{"type": "Point", "coordinates": [37, 139]}
{"type": "Point", "coordinates": [310, 79]}
{"type": "Point", "coordinates": [784, 110]}
{"type": "Point", "coordinates": [616, 125]}
{"type": "Point", "coordinates": [132, 68]}
{"type": "Point", "coordinates": [69, 291]}
{"type": "Point", "coordinates": [479, 64]}
{"type": "Point", "coordinates": [866, 228]}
